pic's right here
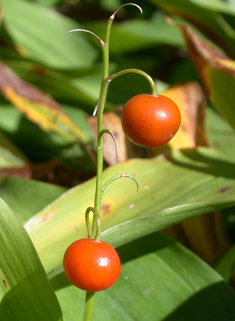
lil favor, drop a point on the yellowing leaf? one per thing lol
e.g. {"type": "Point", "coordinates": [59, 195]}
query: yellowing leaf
{"type": "Point", "coordinates": [38, 107]}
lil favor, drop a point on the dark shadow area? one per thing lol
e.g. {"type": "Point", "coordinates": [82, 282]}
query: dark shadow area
{"type": "Point", "coordinates": [34, 142]}
{"type": "Point", "coordinates": [214, 303]}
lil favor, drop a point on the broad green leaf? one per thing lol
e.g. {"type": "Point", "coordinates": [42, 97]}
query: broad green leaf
{"type": "Point", "coordinates": [138, 34]}
{"type": "Point", "coordinates": [37, 106]}
{"type": "Point", "coordinates": [25, 292]}
{"type": "Point", "coordinates": [42, 35]}
{"type": "Point", "coordinates": [27, 197]}
{"type": "Point", "coordinates": [48, 3]}
{"type": "Point", "coordinates": [226, 265]}
{"type": "Point", "coordinates": [216, 5]}
{"type": "Point", "coordinates": [220, 134]}
{"type": "Point", "coordinates": [128, 231]}
{"type": "Point", "coordinates": [8, 159]}
{"type": "Point", "coordinates": [208, 22]}
{"type": "Point", "coordinates": [187, 177]}
{"type": "Point", "coordinates": [160, 280]}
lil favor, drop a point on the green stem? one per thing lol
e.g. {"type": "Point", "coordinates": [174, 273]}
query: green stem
{"type": "Point", "coordinates": [89, 306]}
{"type": "Point", "coordinates": [100, 110]}
{"type": "Point", "coordinates": [136, 71]}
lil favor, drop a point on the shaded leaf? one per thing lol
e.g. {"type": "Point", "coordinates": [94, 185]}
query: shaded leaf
{"type": "Point", "coordinates": [25, 292]}
{"type": "Point", "coordinates": [37, 106]}
{"type": "Point", "coordinates": [8, 159]}
{"type": "Point", "coordinates": [7, 144]}
{"type": "Point", "coordinates": [216, 5]}
{"type": "Point", "coordinates": [43, 35]}
{"type": "Point", "coordinates": [220, 134]}
{"type": "Point", "coordinates": [226, 265]}
{"type": "Point", "coordinates": [160, 280]}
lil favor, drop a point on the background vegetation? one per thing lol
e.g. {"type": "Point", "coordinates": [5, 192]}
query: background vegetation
{"type": "Point", "coordinates": [49, 82]}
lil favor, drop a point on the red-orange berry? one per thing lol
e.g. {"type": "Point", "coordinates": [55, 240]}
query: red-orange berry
{"type": "Point", "coordinates": [91, 265]}
{"type": "Point", "coordinates": [150, 121]}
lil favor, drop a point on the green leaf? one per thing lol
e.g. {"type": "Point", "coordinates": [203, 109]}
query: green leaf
{"type": "Point", "coordinates": [128, 231]}
{"type": "Point", "coordinates": [220, 134]}
{"type": "Point", "coordinates": [9, 159]}
{"type": "Point", "coordinates": [43, 35]}
{"type": "Point", "coordinates": [216, 5]}
{"type": "Point", "coordinates": [226, 265]}
{"type": "Point", "coordinates": [48, 3]}
{"type": "Point", "coordinates": [27, 197]}
{"type": "Point", "coordinates": [25, 291]}
{"type": "Point", "coordinates": [186, 177]}
{"type": "Point", "coordinates": [160, 280]}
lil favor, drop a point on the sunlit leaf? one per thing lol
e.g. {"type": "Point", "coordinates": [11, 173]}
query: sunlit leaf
{"type": "Point", "coordinates": [187, 177]}
{"type": "Point", "coordinates": [27, 197]}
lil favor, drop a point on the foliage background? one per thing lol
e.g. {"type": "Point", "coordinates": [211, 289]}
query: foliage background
{"type": "Point", "coordinates": [50, 82]}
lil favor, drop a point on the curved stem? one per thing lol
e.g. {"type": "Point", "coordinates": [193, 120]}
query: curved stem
{"type": "Point", "coordinates": [127, 4]}
{"type": "Point", "coordinates": [92, 33]}
{"type": "Point", "coordinates": [116, 177]}
{"type": "Point", "coordinates": [136, 71]}
{"type": "Point", "coordinates": [89, 306]}
{"type": "Point", "coordinates": [91, 230]}
{"type": "Point", "coordinates": [106, 131]}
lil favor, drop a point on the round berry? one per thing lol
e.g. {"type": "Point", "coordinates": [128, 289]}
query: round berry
{"type": "Point", "coordinates": [91, 265]}
{"type": "Point", "coordinates": [150, 121]}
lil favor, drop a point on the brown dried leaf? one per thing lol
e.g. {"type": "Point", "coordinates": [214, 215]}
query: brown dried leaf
{"type": "Point", "coordinates": [191, 102]}
{"type": "Point", "coordinates": [217, 72]}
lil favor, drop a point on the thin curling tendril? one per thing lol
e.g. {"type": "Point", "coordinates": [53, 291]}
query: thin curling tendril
{"type": "Point", "coordinates": [116, 177]}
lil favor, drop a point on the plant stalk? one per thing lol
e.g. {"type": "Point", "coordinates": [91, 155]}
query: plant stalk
{"type": "Point", "coordinates": [89, 306]}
